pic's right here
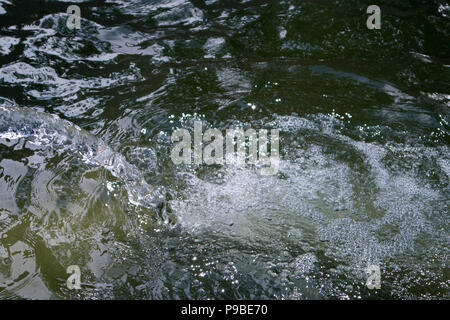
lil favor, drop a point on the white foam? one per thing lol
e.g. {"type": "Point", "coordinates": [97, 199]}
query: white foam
{"type": "Point", "coordinates": [7, 43]}
{"type": "Point", "coordinates": [56, 86]}
{"type": "Point", "coordinates": [3, 2]}
{"type": "Point", "coordinates": [362, 214]}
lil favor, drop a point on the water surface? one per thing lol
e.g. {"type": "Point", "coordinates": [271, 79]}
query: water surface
{"type": "Point", "coordinates": [85, 171]}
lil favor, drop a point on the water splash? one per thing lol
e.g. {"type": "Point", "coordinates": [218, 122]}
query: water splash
{"type": "Point", "coordinates": [44, 131]}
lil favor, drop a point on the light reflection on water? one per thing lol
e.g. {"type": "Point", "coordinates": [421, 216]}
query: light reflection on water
{"type": "Point", "coordinates": [364, 174]}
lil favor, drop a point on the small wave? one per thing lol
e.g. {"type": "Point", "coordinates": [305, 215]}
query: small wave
{"type": "Point", "coordinates": [49, 131]}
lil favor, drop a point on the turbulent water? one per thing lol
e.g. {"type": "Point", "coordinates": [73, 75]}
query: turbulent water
{"type": "Point", "coordinates": [86, 178]}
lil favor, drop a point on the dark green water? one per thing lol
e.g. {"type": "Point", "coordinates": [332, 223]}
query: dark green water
{"type": "Point", "coordinates": [86, 178]}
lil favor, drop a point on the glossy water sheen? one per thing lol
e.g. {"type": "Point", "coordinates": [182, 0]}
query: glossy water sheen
{"type": "Point", "coordinates": [86, 178]}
